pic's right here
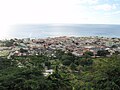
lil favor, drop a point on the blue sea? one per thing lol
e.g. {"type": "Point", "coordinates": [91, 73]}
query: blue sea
{"type": "Point", "coordinates": [54, 30]}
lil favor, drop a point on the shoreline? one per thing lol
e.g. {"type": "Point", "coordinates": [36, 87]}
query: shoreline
{"type": "Point", "coordinates": [62, 36]}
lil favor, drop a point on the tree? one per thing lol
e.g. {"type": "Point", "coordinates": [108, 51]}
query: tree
{"type": "Point", "coordinates": [114, 46]}
{"type": "Point", "coordinates": [117, 52]}
{"type": "Point", "coordinates": [21, 79]}
{"type": "Point", "coordinates": [60, 81]}
{"type": "Point", "coordinates": [102, 53]}
{"type": "Point", "coordinates": [5, 63]}
{"type": "Point", "coordinates": [86, 62]}
{"type": "Point", "coordinates": [67, 62]}
{"type": "Point", "coordinates": [73, 66]}
{"type": "Point", "coordinates": [88, 53]}
{"type": "Point", "coordinates": [48, 64]}
{"type": "Point", "coordinates": [107, 74]}
{"type": "Point", "coordinates": [23, 50]}
{"type": "Point", "coordinates": [9, 43]}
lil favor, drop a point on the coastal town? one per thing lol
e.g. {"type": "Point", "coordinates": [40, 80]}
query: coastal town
{"type": "Point", "coordinates": [75, 45]}
{"type": "Point", "coordinates": [76, 63]}
{"type": "Point", "coordinates": [60, 45]}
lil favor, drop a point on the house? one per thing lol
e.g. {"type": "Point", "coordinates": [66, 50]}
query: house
{"type": "Point", "coordinates": [48, 72]}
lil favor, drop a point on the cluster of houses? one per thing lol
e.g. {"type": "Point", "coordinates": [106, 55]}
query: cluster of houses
{"type": "Point", "coordinates": [75, 45]}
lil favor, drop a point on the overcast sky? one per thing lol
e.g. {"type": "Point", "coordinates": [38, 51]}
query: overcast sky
{"type": "Point", "coordinates": [13, 12]}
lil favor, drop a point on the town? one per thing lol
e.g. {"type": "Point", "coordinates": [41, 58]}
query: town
{"type": "Point", "coordinates": [75, 45]}
{"type": "Point", "coordinates": [60, 63]}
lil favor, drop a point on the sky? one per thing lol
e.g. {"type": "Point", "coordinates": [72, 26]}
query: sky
{"type": "Point", "coordinates": [15, 12]}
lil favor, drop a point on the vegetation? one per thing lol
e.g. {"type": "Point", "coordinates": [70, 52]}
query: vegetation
{"type": "Point", "coordinates": [70, 72]}
{"type": "Point", "coordinates": [9, 43]}
{"type": "Point", "coordinates": [4, 53]}
{"type": "Point", "coordinates": [102, 53]}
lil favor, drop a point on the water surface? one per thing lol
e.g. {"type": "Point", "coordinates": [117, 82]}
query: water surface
{"type": "Point", "coordinates": [51, 30]}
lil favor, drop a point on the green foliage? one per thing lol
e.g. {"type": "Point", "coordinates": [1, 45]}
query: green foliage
{"type": "Point", "coordinates": [5, 63]}
{"type": "Point", "coordinates": [22, 79]}
{"type": "Point", "coordinates": [73, 66]}
{"type": "Point", "coordinates": [86, 61]}
{"type": "Point", "coordinates": [48, 64]}
{"type": "Point", "coordinates": [107, 76]}
{"type": "Point", "coordinates": [9, 43]}
{"type": "Point", "coordinates": [117, 52]}
{"type": "Point", "coordinates": [60, 81]}
{"type": "Point", "coordinates": [102, 53]}
{"type": "Point", "coordinates": [70, 72]}
{"type": "Point", "coordinates": [67, 62]}
{"type": "Point", "coordinates": [23, 50]}
{"type": "Point", "coordinates": [114, 46]}
{"type": "Point", "coordinates": [89, 53]}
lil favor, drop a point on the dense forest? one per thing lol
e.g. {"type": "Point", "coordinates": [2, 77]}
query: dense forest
{"type": "Point", "coordinates": [69, 72]}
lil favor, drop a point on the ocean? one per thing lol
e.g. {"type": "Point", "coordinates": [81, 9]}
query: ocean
{"type": "Point", "coordinates": [56, 30]}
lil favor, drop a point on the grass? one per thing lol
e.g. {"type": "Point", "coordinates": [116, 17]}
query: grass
{"type": "Point", "coordinates": [4, 53]}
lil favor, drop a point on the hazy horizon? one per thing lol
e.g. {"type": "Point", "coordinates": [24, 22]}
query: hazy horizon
{"type": "Point", "coordinates": [56, 30]}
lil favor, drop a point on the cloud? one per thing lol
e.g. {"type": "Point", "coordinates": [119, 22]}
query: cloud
{"type": "Point", "coordinates": [105, 7]}
{"type": "Point", "coordinates": [117, 12]}
{"type": "Point", "coordinates": [88, 1]}
{"type": "Point", "coordinates": [113, 13]}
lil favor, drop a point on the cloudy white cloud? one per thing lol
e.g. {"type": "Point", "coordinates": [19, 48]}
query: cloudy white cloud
{"type": "Point", "coordinates": [105, 7]}
{"type": "Point", "coordinates": [88, 1]}
{"type": "Point", "coordinates": [116, 12]}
